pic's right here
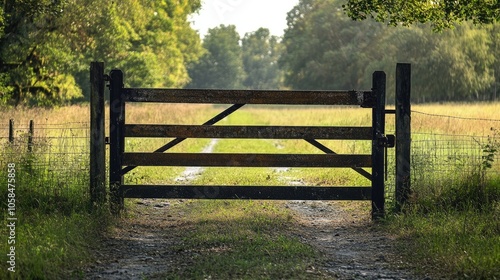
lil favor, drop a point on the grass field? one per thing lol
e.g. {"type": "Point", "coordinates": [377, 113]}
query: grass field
{"type": "Point", "coordinates": [451, 225]}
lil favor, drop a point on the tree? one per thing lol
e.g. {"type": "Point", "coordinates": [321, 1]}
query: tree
{"type": "Point", "coordinates": [466, 51]}
{"type": "Point", "coordinates": [221, 66]}
{"type": "Point", "coordinates": [46, 46]}
{"type": "Point", "coordinates": [27, 28]}
{"type": "Point", "coordinates": [494, 35]}
{"type": "Point", "coordinates": [442, 13]}
{"type": "Point", "coordinates": [152, 41]}
{"type": "Point", "coordinates": [323, 49]}
{"type": "Point", "coordinates": [261, 53]}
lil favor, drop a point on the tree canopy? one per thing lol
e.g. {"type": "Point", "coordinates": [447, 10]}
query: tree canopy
{"type": "Point", "coordinates": [221, 65]}
{"type": "Point", "coordinates": [441, 13]}
{"type": "Point", "coordinates": [46, 46]}
{"type": "Point", "coordinates": [261, 52]}
{"type": "Point", "coordinates": [231, 62]}
{"type": "Point", "coordinates": [325, 49]}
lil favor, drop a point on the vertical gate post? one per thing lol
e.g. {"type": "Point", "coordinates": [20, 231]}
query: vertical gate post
{"type": "Point", "coordinates": [403, 133]}
{"type": "Point", "coordinates": [97, 145]}
{"type": "Point", "coordinates": [116, 139]}
{"type": "Point", "coordinates": [378, 149]}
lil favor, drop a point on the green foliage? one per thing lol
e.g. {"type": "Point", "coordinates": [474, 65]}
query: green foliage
{"type": "Point", "coordinates": [261, 52]}
{"type": "Point", "coordinates": [46, 46]}
{"type": "Point", "coordinates": [490, 149]}
{"type": "Point", "coordinates": [221, 65]}
{"type": "Point", "coordinates": [324, 49]}
{"type": "Point", "coordinates": [26, 27]}
{"type": "Point", "coordinates": [455, 65]}
{"type": "Point", "coordinates": [442, 14]}
{"type": "Point", "coordinates": [231, 63]}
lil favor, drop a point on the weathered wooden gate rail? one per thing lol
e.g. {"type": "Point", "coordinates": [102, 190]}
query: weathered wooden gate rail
{"type": "Point", "coordinates": [121, 162]}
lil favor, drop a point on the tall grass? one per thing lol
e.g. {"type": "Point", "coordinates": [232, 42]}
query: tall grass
{"type": "Point", "coordinates": [451, 225]}
{"type": "Point", "coordinates": [55, 228]}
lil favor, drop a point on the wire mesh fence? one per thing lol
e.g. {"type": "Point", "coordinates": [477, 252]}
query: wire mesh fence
{"type": "Point", "coordinates": [457, 150]}
{"type": "Point", "coordinates": [51, 160]}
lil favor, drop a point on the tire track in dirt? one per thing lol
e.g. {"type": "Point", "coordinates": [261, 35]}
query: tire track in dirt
{"type": "Point", "coordinates": [140, 246]}
{"type": "Point", "coordinates": [191, 173]}
{"type": "Point", "coordinates": [354, 247]}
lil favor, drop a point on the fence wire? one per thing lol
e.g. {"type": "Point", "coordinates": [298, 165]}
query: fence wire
{"type": "Point", "coordinates": [442, 158]}
{"type": "Point", "coordinates": [51, 162]}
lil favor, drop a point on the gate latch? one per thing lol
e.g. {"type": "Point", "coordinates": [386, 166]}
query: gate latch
{"type": "Point", "coordinates": [387, 141]}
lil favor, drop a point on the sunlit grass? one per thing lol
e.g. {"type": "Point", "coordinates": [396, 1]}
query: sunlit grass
{"type": "Point", "coordinates": [423, 123]}
{"type": "Point", "coordinates": [242, 240]}
{"type": "Point", "coordinates": [455, 244]}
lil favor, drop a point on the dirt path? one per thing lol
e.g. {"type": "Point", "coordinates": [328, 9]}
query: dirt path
{"type": "Point", "coordinates": [141, 246]}
{"type": "Point", "coordinates": [353, 246]}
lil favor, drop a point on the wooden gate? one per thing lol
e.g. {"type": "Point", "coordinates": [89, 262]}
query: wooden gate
{"type": "Point", "coordinates": [121, 162]}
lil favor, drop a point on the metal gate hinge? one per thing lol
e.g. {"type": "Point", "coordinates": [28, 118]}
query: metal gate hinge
{"type": "Point", "coordinates": [388, 141]}
{"type": "Point", "coordinates": [106, 140]}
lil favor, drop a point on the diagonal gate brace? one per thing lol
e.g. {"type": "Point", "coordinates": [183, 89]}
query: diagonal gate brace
{"type": "Point", "coordinates": [325, 149]}
{"type": "Point", "coordinates": [177, 141]}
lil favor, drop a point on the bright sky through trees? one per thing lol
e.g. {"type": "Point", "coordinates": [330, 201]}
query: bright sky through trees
{"type": "Point", "coordinates": [247, 15]}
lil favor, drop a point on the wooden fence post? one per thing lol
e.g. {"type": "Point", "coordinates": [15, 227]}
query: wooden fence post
{"type": "Point", "coordinates": [378, 148]}
{"type": "Point", "coordinates": [117, 122]}
{"type": "Point", "coordinates": [11, 131]}
{"type": "Point", "coordinates": [31, 132]}
{"type": "Point", "coordinates": [97, 134]}
{"type": "Point", "coordinates": [403, 133]}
